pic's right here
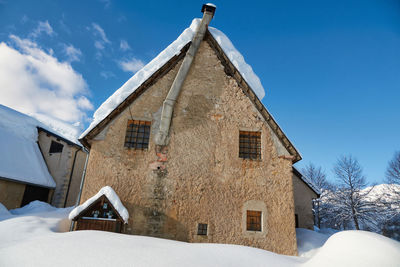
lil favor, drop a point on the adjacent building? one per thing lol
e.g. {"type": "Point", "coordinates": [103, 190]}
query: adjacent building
{"type": "Point", "coordinates": [36, 163]}
{"type": "Point", "coordinates": [305, 194]}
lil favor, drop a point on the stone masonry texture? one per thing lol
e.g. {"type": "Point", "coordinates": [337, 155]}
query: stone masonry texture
{"type": "Point", "coordinates": [198, 177]}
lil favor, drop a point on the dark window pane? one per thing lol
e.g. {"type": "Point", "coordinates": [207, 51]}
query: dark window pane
{"type": "Point", "coordinates": [202, 229]}
{"type": "Point", "coordinates": [56, 147]}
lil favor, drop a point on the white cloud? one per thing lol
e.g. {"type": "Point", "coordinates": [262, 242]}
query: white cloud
{"type": "Point", "coordinates": [131, 65]}
{"type": "Point", "coordinates": [124, 46]}
{"type": "Point", "coordinates": [72, 53]}
{"type": "Point", "coordinates": [100, 33]}
{"type": "Point", "coordinates": [99, 45]}
{"type": "Point", "coordinates": [84, 103]}
{"type": "Point", "coordinates": [43, 26]}
{"type": "Point", "coordinates": [101, 39]}
{"type": "Point", "coordinates": [107, 74]}
{"type": "Point", "coordinates": [33, 81]}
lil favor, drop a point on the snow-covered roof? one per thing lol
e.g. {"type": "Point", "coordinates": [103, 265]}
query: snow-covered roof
{"type": "Point", "coordinates": [112, 197]}
{"type": "Point", "coordinates": [20, 156]}
{"type": "Point", "coordinates": [174, 49]}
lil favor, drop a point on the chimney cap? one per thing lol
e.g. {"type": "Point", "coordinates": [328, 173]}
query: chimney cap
{"type": "Point", "coordinates": [209, 7]}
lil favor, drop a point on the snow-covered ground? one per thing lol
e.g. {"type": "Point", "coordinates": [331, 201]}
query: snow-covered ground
{"type": "Point", "coordinates": [308, 241]}
{"type": "Point", "coordinates": [32, 236]}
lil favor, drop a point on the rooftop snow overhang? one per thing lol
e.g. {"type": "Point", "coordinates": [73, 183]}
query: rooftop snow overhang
{"type": "Point", "coordinates": [59, 137]}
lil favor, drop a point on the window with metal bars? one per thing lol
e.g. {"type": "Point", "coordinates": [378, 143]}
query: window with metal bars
{"type": "Point", "coordinates": [250, 145]}
{"type": "Point", "coordinates": [202, 229]}
{"type": "Point", "coordinates": [253, 220]}
{"type": "Point", "coordinates": [138, 134]}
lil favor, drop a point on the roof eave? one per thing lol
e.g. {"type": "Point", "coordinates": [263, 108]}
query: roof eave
{"type": "Point", "coordinates": [25, 183]}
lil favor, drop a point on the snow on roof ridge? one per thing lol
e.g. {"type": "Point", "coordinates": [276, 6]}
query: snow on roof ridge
{"type": "Point", "coordinates": [238, 61]}
{"type": "Point", "coordinates": [112, 197]}
{"type": "Point", "coordinates": [174, 49]}
{"type": "Point", "coordinates": [14, 121]}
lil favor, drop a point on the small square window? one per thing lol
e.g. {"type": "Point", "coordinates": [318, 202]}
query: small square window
{"type": "Point", "coordinates": [253, 220]}
{"type": "Point", "coordinates": [137, 134]}
{"type": "Point", "coordinates": [202, 229]}
{"type": "Point", "coordinates": [56, 147]}
{"type": "Point", "coordinates": [250, 145]}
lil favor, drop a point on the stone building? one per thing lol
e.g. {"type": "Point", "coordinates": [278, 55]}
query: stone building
{"type": "Point", "coordinates": [192, 152]}
{"type": "Point", "coordinates": [65, 161]}
{"type": "Point", "coordinates": [36, 163]}
{"type": "Point", "coordinates": [304, 195]}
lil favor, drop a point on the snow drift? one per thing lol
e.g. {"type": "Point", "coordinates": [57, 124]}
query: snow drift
{"type": "Point", "coordinates": [31, 239]}
{"type": "Point", "coordinates": [357, 248]}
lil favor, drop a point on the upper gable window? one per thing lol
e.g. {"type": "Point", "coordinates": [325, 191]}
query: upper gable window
{"type": "Point", "coordinates": [137, 134]}
{"type": "Point", "coordinates": [56, 147]}
{"type": "Point", "coordinates": [250, 145]}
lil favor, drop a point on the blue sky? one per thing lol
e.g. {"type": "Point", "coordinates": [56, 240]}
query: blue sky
{"type": "Point", "coordinates": [331, 69]}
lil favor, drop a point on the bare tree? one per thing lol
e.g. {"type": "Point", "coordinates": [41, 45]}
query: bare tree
{"type": "Point", "coordinates": [391, 227]}
{"type": "Point", "coordinates": [351, 202]}
{"type": "Point", "coordinates": [318, 178]}
{"type": "Point", "coordinates": [393, 169]}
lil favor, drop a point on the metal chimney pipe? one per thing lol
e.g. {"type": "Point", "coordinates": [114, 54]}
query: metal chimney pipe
{"type": "Point", "coordinates": [169, 103]}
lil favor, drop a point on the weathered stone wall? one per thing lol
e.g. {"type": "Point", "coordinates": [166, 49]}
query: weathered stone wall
{"type": "Point", "coordinates": [303, 197]}
{"type": "Point", "coordinates": [60, 166]}
{"type": "Point", "coordinates": [199, 177]}
{"type": "Point", "coordinates": [11, 194]}
{"type": "Point", "coordinates": [76, 179]}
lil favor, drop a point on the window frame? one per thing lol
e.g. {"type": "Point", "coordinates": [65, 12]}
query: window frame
{"type": "Point", "coordinates": [250, 226]}
{"type": "Point", "coordinates": [201, 230]}
{"type": "Point", "coordinates": [250, 145]}
{"type": "Point", "coordinates": [142, 133]}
